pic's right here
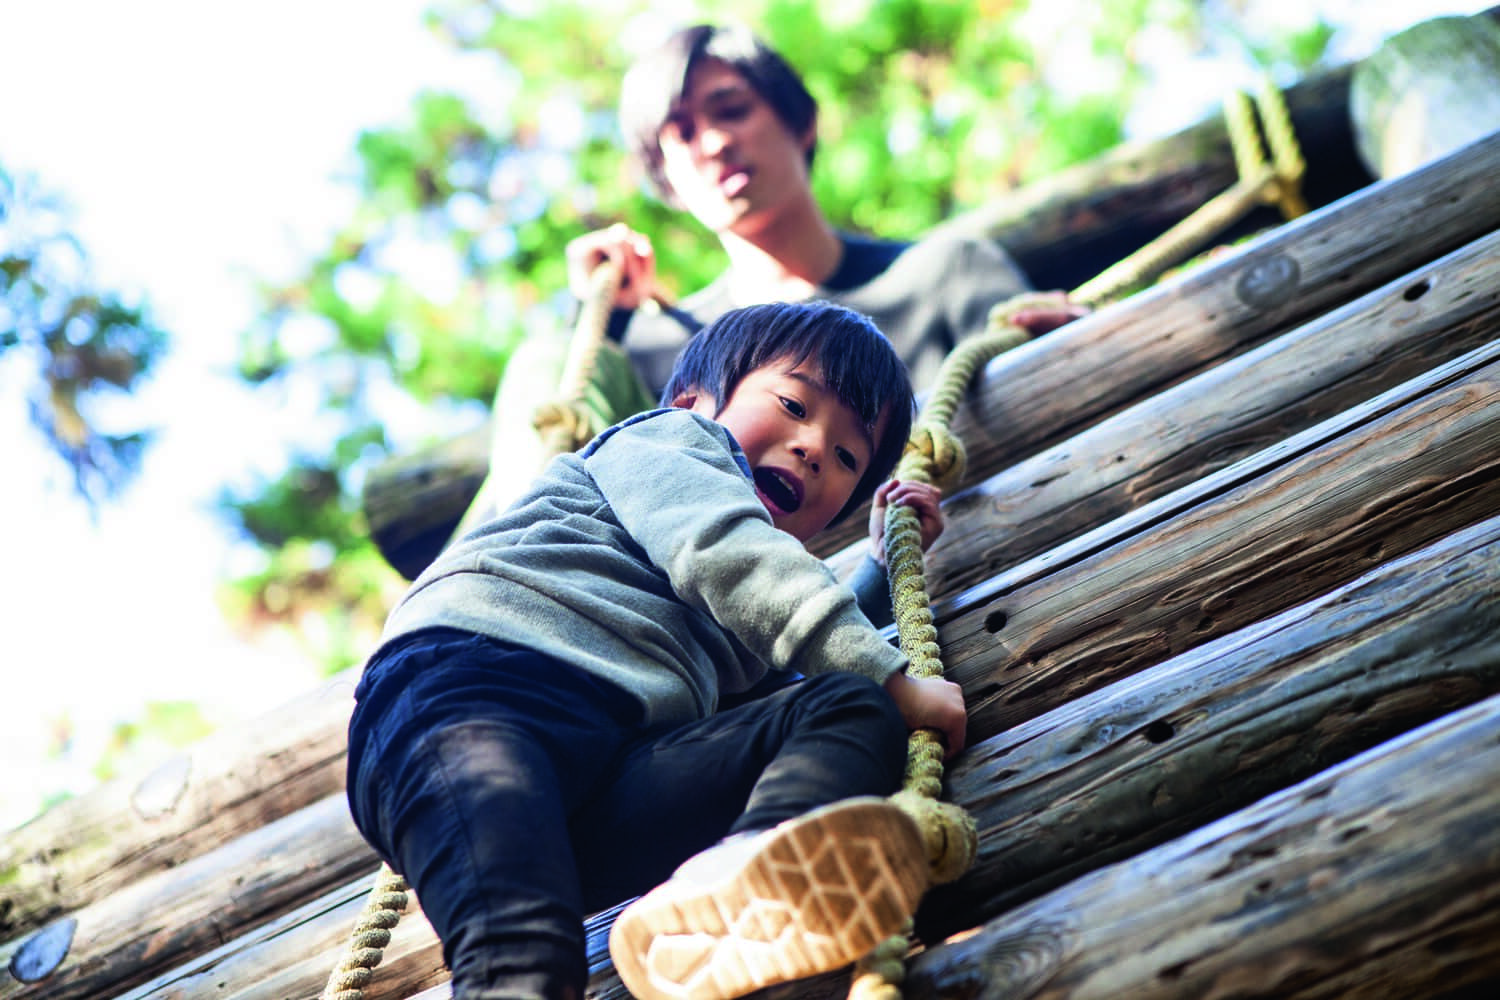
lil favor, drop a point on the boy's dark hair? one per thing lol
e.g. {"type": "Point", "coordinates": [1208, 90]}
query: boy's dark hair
{"type": "Point", "coordinates": [853, 357]}
{"type": "Point", "coordinates": [654, 85]}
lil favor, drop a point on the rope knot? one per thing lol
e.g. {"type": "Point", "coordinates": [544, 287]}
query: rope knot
{"type": "Point", "coordinates": [564, 425]}
{"type": "Point", "coordinates": [934, 454]}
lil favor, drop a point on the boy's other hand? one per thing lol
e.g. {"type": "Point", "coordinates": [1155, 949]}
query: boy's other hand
{"type": "Point", "coordinates": [630, 249]}
{"type": "Point", "coordinates": [931, 703]}
{"type": "Point", "coordinates": [924, 498]}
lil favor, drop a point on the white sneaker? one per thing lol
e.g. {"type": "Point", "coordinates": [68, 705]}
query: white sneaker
{"type": "Point", "coordinates": [809, 896]}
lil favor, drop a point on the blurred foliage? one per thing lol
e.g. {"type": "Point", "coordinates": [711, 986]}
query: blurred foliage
{"type": "Point", "coordinates": [455, 251]}
{"type": "Point", "coordinates": [84, 347]}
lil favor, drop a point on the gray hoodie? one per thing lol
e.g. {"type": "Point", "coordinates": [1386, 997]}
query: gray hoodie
{"type": "Point", "coordinates": [647, 560]}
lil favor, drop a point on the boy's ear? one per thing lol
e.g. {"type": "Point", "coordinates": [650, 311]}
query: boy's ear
{"type": "Point", "coordinates": [686, 400]}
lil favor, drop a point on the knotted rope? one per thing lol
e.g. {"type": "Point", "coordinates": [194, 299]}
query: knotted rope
{"type": "Point", "coordinates": [935, 455]}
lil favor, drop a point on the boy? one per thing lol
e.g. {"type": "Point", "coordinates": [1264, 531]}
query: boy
{"type": "Point", "coordinates": [540, 735]}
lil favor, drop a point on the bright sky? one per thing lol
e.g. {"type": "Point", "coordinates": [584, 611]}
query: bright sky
{"type": "Point", "coordinates": [199, 144]}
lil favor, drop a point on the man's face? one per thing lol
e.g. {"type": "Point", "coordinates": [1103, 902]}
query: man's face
{"type": "Point", "coordinates": [806, 448]}
{"type": "Point", "coordinates": [729, 159]}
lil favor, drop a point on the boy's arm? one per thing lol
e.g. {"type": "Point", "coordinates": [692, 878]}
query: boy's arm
{"type": "Point", "coordinates": [674, 485]}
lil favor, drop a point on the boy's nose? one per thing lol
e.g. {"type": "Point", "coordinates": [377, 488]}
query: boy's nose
{"type": "Point", "coordinates": [808, 455]}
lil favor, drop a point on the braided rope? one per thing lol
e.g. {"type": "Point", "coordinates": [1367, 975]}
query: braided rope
{"type": "Point", "coordinates": [1276, 182]}
{"type": "Point", "coordinates": [367, 943]}
{"type": "Point", "coordinates": [564, 424]}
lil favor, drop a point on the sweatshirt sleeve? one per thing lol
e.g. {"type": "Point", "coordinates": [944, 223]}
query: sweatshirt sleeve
{"type": "Point", "coordinates": [675, 486]}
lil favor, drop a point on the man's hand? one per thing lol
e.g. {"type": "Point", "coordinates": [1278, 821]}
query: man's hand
{"type": "Point", "coordinates": [931, 703]}
{"type": "Point", "coordinates": [630, 249]}
{"type": "Point", "coordinates": [1044, 318]}
{"type": "Point", "coordinates": [924, 498]}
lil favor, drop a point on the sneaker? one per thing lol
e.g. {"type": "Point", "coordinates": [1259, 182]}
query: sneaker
{"type": "Point", "coordinates": [809, 896]}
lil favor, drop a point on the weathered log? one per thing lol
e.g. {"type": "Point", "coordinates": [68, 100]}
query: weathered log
{"type": "Point", "coordinates": [1262, 535]}
{"type": "Point", "coordinates": [161, 921]}
{"type": "Point", "coordinates": [231, 783]}
{"type": "Point", "coordinates": [1145, 759]}
{"type": "Point", "coordinates": [1426, 91]}
{"type": "Point", "coordinates": [1030, 398]}
{"type": "Point", "coordinates": [291, 957]}
{"type": "Point", "coordinates": [1216, 418]}
{"type": "Point", "coordinates": [1378, 878]}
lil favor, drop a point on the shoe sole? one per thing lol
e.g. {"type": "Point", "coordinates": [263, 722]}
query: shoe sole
{"type": "Point", "coordinates": [825, 889]}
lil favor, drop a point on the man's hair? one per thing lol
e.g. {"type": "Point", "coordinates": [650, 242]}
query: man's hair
{"type": "Point", "coordinates": [654, 85]}
{"type": "Point", "coordinates": [854, 358]}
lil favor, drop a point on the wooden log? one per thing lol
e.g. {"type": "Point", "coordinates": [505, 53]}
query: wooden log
{"type": "Point", "coordinates": [1216, 418]}
{"type": "Point", "coordinates": [1425, 92]}
{"type": "Point", "coordinates": [1267, 533]}
{"type": "Point", "coordinates": [292, 957]}
{"type": "Point", "coordinates": [1145, 759]}
{"type": "Point", "coordinates": [1378, 878]}
{"type": "Point", "coordinates": [1029, 398]}
{"type": "Point", "coordinates": [163, 920]}
{"type": "Point", "coordinates": [231, 783]}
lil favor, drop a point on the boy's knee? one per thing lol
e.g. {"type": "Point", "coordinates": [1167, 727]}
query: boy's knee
{"type": "Point", "coordinates": [857, 693]}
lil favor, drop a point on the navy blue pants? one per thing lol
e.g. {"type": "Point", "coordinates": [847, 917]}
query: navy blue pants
{"type": "Point", "coordinates": [517, 794]}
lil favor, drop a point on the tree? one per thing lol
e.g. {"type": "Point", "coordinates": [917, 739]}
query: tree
{"type": "Point", "coordinates": [455, 251]}
{"type": "Point", "coordinates": [84, 346]}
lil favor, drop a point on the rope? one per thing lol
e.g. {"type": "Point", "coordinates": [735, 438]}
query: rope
{"type": "Point", "coordinates": [372, 932]}
{"type": "Point", "coordinates": [934, 455]}
{"type": "Point", "coordinates": [565, 424]}
{"type": "Point", "coordinates": [1277, 181]}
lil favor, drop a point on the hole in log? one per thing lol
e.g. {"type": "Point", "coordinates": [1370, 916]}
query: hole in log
{"type": "Point", "coordinates": [995, 621]}
{"type": "Point", "coordinates": [43, 952]}
{"type": "Point", "coordinates": [1418, 290]}
{"type": "Point", "coordinates": [1172, 973]}
{"type": "Point", "coordinates": [1159, 731]}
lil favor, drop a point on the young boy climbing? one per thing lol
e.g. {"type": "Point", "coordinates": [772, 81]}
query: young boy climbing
{"type": "Point", "coordinates": [541, 733]}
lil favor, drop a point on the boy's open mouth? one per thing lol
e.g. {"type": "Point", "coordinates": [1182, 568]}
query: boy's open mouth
{"type": "Point", "coordinates": [779, 488]}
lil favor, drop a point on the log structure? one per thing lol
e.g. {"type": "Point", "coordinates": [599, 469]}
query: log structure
{"type": "Point", "coordinates": [1221, 588]}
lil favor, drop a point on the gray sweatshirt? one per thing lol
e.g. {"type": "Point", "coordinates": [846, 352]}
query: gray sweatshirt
{"type": "Point", "coordinates": [647, 560]}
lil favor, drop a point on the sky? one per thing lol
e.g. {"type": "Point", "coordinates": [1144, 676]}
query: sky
{"type": "Point", "coordinates": [200, 146]}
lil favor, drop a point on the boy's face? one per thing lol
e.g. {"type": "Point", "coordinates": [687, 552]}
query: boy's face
{"type": "Point", "coordinates": [730, 160]}
{"type": "Point", "coordinates": [807, 449]}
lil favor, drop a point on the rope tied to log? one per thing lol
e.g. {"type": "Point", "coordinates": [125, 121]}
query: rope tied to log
{"type": "Point", "coordinates": [367, 942]}
{"type": "Point", "coordinates": [1275, 181]}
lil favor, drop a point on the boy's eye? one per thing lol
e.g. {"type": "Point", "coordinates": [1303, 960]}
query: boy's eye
{"type": "Point", "coordinates": [793, 407]}
{"type": "Point", "coordinates": [847, 459]}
